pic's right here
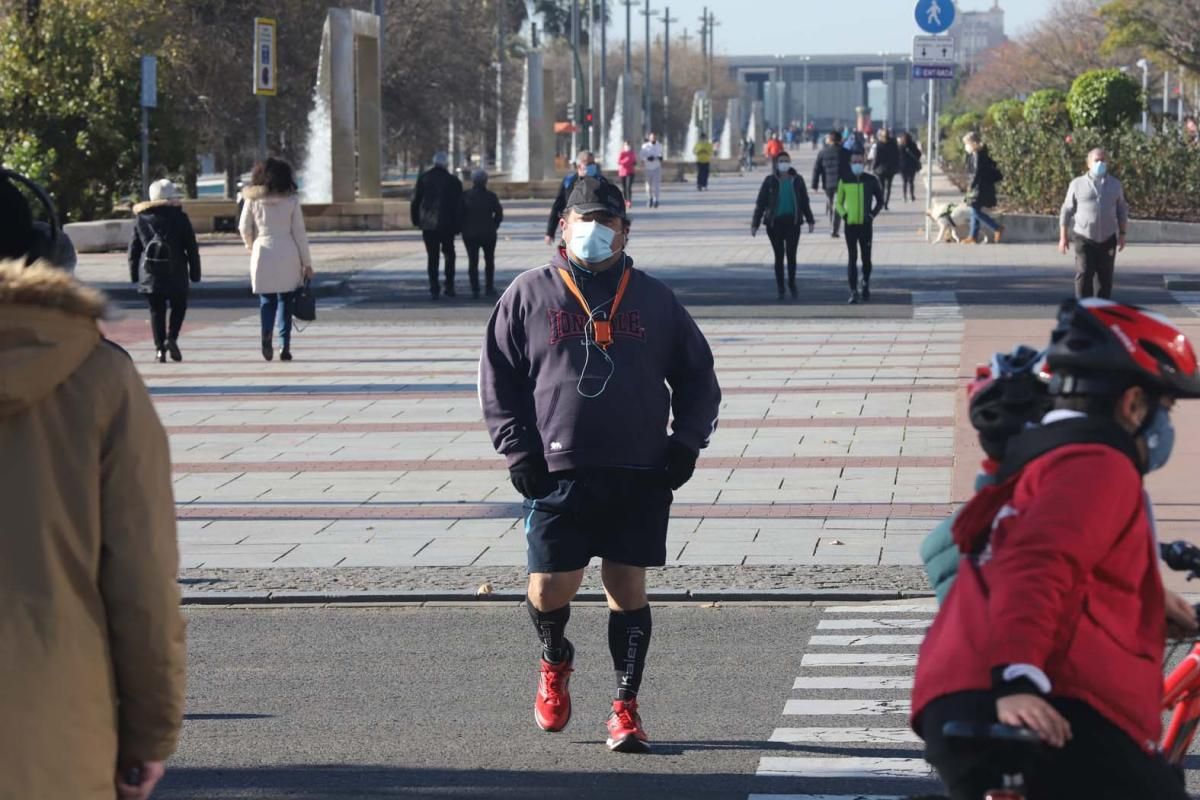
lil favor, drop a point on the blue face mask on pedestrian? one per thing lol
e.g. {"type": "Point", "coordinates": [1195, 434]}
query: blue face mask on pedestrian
{"type": "Point", "coordinates": [1099, 169]}
{"type": "Point", "coordinates": [857, 169]}
{"type": "Point", "coordinates": [591, 242]}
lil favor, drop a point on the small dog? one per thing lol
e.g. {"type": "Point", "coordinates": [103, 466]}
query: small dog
{"type": "Point", "coordinates": [953, 219]}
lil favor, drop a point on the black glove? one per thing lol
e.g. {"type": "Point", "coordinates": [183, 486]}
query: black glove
{"type": "Point", "coordinates": [681, 463]}
{"type": "Point", "coordinates": [531, 478]}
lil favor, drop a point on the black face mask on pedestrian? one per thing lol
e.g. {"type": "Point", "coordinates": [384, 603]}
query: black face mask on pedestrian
{"type": "Point", "coordinates": [35, 240]}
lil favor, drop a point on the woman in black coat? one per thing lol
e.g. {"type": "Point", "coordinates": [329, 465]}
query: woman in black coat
{"type": "Point", "coordinates": [910, 165]}
{"type": "Point", "coordinates": [887, 163]}
{"type": "Point", "coordinates": [783, 203]}
{"type": "Point", "coordinates": [163, 260]}
{"type": "Point", "coordinates": [984, 177]}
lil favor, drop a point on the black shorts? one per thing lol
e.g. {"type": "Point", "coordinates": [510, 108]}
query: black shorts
{"type": "Point", "coordinates": [616, 514]}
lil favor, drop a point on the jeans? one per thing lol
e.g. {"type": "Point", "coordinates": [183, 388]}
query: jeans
{"type": "Point", "coordinates": [830, 201]}
{"type": "Point", "coordinates": [158, 316]}
{"type": "Point", "coordinates": [271, 309]}
{"type": "Point", "coordinates": [435, 241]}
{"type": "Point", "coordinates": [979, 215]}
{"type": "Point", "coordinates": [784, 234]}
{"type": "Point", "coordinates": [474, 245]}
{"type": "Point", "coordinates": [1095, 263]}
{"type": "Point", "coordinates": [858, 238]}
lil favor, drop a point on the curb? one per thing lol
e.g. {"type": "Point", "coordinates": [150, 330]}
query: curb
{"type": "Point", "coordinates": [1181, 283]}
{"type": "Point", "coordinates": [375, 596]}
{"type": "Point", "coordinates": [224, 290]}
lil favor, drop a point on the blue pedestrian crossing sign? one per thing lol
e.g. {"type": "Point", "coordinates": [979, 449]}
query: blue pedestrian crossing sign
{"type": "Point", "coordinates": [935, 16]}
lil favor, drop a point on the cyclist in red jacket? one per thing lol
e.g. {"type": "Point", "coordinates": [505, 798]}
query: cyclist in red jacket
{"type": "Point", "coordinates": [1058, 617]}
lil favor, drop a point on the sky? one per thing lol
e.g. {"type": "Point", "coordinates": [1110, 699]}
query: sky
{"type": "Point", "coordinates": [798, 27]}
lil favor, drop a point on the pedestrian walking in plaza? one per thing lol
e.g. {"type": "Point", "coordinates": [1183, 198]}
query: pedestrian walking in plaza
{"type": "Point", "coordinates": [982, 194]}
{"type": "Point", "coordinates": [92, 654]}
{"type": "Point", "coordinates": [585, 362]}
{"type": "Point", "coordinates": [652, 155]}
{"type": "Point", "coordinates": [774, 147]}
{"type": "Point", "coordinates": [747, 160]}
{"type": "Point", "coordinates": [886, 163]}
{"type": "Point", "coordinates": [434, 210]}
{"type": "Point", "coordinates": [163, 261]}
{"type": "Point", "coordinates": [783, 204]}
{"type": "Point", "coordinates": [1093, 218]}
{"type": "Point", "coordinates": [627, 171]}
{"type": "Point", "coordinates": [272, 228]}
{"type": "Point", "coordinates": [813, 135]}
{"type": "Point", "coordinates": [480, 215]}
{"type": "Point", "coordinates": [1080, 664]}
{"type": "Point", "coordinates": [833, 163]}
{"type": "Point", "coordinates": [910, 165]}
{"type": "Point", "coordinates": [585, 165]}
{"type": "Point", "coordinates": [703, 150]}
{"type": "Point", "coordinates": [859, 201]}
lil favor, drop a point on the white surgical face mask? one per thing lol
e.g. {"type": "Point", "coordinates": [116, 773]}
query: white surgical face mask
{"type": "Point", "coordinates": [591, 242]}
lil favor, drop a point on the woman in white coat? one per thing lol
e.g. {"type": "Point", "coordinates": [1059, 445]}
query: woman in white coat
{"type": "Point", "coordinates": [272, 227]}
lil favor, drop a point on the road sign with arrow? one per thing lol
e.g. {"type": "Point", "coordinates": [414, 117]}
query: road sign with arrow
{"type": "Point", "coordinates": [933, 50]}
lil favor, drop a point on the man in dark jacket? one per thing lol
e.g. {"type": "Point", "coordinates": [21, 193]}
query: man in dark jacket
{"type": "Point", "coordinates": [585, 362]}
{"type": "Point", "coordinates": [163, 257]}
{"type": "Point", "coordinates": [984, 177]}
{"type": "Point", "coordinates": [910, 165]}
{"type": "Point", "coordinates": [833, 163]}
{"type": "Point", "coordinates": [783, 204]}
{"type": "Point", "coordinates": [480, 215]}
{"type": "Point", "coordinates": [585, 164]}
{"type": "Point", "coordinates": [887, 163]}
{"type": "Point", "coordinates": [435, 211]}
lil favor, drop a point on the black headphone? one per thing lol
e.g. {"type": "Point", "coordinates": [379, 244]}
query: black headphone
{"type": "Point", "coordinates": [45, 245]}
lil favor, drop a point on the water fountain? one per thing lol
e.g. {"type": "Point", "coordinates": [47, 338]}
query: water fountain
{"type": "Point", "coordinates": [616, 128]}
{"type": "Point", "coordinates": [733, 124]}
{"type": "Point", "coordinates": [693, 133]}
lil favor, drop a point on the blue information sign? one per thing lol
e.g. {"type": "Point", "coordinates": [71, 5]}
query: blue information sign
{"type": "Point", "coordinates": [933, 71]}
{"type": "Point", "coordinates": [935, 16]}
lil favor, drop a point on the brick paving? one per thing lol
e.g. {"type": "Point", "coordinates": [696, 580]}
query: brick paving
{"type": "Point", "coordinates": [841, 439]}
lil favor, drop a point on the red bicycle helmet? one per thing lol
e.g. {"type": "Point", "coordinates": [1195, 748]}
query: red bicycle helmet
{"type": "Point", "coordinates": [1100, 344]}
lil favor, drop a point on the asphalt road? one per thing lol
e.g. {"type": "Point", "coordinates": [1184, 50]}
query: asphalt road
{"type": "Point", "coordinates": [435, 702]}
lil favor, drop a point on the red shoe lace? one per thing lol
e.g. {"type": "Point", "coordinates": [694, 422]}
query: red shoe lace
{"type": "Point", "coordinates": [627, 717]}
{"type": "Point", "coordinates": [552, 682]}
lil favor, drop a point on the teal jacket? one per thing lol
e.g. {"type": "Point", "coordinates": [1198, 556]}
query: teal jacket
{"type": "Point", "coordinates": [940, 554]}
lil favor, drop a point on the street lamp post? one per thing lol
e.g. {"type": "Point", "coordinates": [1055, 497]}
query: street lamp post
{"type": "Point", "coordinates": [574, 77]}
{"type": "Point", "coordinates": [807, 116]}
{"type": "Point", "coordinates": [647, 101]}
{"type": "Point", "coordinates": [667, 20]}
{"type": "Point", "coordinates": [591, 83]}
{"type": "Point", "coordinates": [603, 79]}
{"type": "Point", "coordinates": [1144, 65]}
{"type": "Point", "coordinates": [908, 93]}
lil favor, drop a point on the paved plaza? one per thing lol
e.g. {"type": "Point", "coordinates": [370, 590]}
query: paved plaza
{"type": "Point", "coordinates": [841, 439]}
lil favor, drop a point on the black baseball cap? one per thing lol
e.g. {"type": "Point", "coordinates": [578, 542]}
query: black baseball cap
{"type": "Point", "coordinates": [590, 194]}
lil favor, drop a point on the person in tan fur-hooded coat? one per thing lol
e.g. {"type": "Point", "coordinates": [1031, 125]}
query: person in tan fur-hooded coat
{"type": "Point", "coordinates": [272, 228]}
{"type": "Point", "coordinates": [91, 635]}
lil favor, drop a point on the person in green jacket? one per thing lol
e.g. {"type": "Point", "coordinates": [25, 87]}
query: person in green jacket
{"type": "Point", "coordinates": [859, 200]}
{"type": "Point", "coordinates": [1004, 399]}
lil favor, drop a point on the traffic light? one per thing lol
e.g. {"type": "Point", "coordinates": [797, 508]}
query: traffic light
{"type": "Point", "coordinates": [571, 112]}
{"type": "Point", "coordinates": [924, 105]}
{"type": "Point", "coordinates": [587, 116]}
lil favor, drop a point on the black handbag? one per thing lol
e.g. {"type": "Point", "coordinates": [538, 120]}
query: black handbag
{"type": "Point", "coordinates": [304, 307]}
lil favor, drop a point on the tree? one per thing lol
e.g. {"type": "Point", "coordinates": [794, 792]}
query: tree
{"type": "Point", "coordinates": [1170, 28]}
{"type": "Point", "coordinates": [1105, 98]}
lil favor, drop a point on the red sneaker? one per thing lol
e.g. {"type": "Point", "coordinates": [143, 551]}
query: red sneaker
{"type": "Point", "coordinates": [625, 732]}
{"type": "Point", "coordinates": [552, 706]}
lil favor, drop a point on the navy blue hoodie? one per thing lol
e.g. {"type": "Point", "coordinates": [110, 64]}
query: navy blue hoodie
{"type": "Point", "coordinates": [534, 355]}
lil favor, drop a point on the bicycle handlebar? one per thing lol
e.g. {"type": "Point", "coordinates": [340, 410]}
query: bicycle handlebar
{"type": "Point", "coordinates": [1181, 556]}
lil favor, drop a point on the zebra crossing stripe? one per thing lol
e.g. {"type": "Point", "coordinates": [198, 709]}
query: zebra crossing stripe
{"type": "Point", "coordinates": [901, 682]}
{"type": "Point", "coordinates": [825, 797]}
{"type": "Point", "coordinates": [838, 708]}
{"type": "Point", "coordinates": [870, 624]}
{"type": "Point", "coordinates": [865, 640]}
{"type": "Point", "coordinates": [844, 736]}
{"type": "Point", "coordinates": [883, 608]}
{"type": "Point", "coordinates": [843, 767]}
{"type": "Point", "coordinates": [859, 660]}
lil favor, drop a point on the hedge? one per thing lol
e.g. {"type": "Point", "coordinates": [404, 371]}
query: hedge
{"type": "Point", "coordinates": [1104, 98]}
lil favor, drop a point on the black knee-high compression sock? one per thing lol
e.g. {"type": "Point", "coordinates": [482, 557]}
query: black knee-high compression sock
{"type": "Point", "coordinates": [551, 629]}
{"type": "Point", "coordinates": [629, 641]}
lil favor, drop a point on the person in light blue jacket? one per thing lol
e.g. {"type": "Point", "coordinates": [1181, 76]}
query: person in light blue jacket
{"type": "Point", "coordinates": [1004, 399]}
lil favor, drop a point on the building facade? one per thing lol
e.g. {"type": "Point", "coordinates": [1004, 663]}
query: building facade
{"type": "Point", "coordinates": [976, 32]}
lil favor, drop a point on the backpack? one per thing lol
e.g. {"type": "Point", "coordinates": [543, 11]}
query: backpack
{"type": "Point", "coordinates": [156, 253]}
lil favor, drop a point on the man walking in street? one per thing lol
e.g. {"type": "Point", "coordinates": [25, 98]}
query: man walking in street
{"type": "Point", "coordinates": [435, 211]}
{"type": "Point", "coordinates": [833, 163]}
{"type": "Point", "coordinates": [480, 215]}
{"type": "Point", "coordinates": [703, 150]}
{"type": "Point", "coordinates": [1094, 217]}
{"type": "Point", "coordinates": [91, 638]}
{"type": "Point", "coordinates": [652, 155]}
{"type": "Point", "coordinates": [585, 164]}
{"type": "Point", "coordinates": [859, 201]}
{"type": "Point", "coordinates": [585, 362]}
{"type": "Point", "coordinates": [886, 163]}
